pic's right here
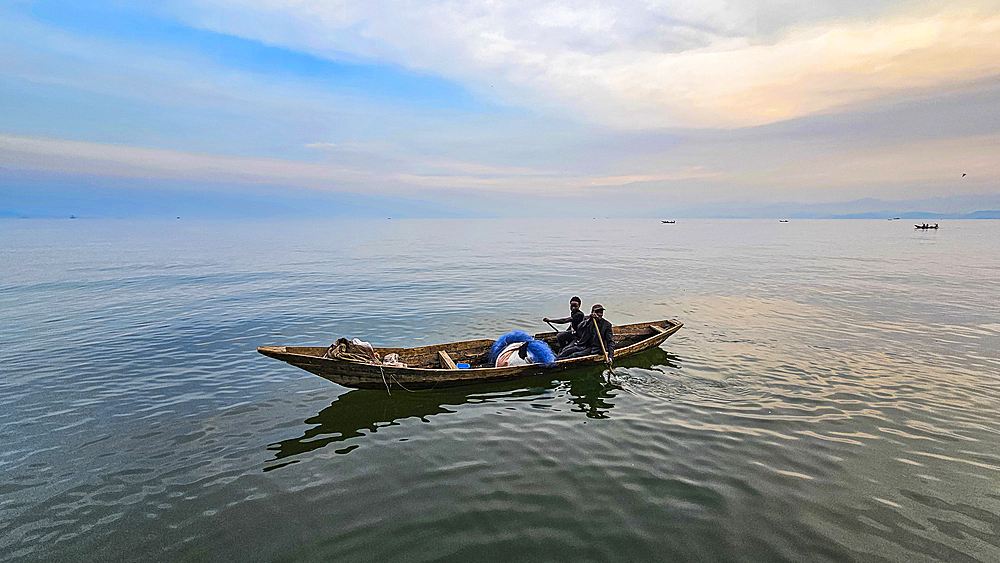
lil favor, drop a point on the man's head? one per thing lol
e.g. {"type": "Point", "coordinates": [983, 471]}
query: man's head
{"type": "Point", "coordinates": [597, 310]}
{"type": "Point", "coordinates": [574, 303]}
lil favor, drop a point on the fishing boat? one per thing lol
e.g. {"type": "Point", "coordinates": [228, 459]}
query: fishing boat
{"type": "Point", "coordinates": [667, 222]}
{"type": "Point", "coordinates": [438, 365]}
{"type": "Point", "coordinates": [926, 226]}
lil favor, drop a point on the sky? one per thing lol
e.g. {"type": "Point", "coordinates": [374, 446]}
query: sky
{"type": "Point", "coordinates": [495, 108]}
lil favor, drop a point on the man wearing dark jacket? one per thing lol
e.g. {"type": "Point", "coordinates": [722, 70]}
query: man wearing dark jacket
{"type": "Point", "coordinates": [589, 337]}
{"type": "Point", "coordinates": [574, 319]}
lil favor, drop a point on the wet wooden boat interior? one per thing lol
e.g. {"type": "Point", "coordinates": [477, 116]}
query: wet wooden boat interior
{"type": "Point", "coordinates": [476, 352]}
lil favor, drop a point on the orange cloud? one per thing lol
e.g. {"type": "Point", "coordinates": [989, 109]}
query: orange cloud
{"type": "Point", "coordinates": [808, 71]}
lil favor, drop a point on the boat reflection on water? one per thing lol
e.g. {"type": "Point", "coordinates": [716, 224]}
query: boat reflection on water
{"type": "Point", "coordinates": [359, 412]}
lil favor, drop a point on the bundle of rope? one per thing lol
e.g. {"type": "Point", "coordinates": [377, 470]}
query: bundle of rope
{"type": "Point", "coordinates": [362, 352]}
{"type": "Point", "coordinates": [344, 349]}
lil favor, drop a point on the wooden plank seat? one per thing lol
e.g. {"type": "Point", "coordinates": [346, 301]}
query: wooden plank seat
{"type": "Point", "coordinates": [446, 361]}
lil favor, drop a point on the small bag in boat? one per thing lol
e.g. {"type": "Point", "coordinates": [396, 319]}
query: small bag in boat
{"type": "Point", "coordinates": [392, 360]}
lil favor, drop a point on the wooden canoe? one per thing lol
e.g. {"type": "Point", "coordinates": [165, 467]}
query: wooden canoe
{"type": "Point", "coordinates": [434, 366]}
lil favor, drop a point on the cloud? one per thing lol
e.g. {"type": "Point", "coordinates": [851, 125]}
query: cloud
{"type": "Point", "coordinates": [549, 182]}
{"type": "Point", "coordinates": [813, 70]}
{"type": "Point", "coordinates": [644, 64]}
{"type": "Point", "coordinates": [139, 162]}
{"type": "Point", "coordinates": [172, 91]}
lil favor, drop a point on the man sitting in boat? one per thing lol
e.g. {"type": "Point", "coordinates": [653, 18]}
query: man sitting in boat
{"type": "Point", "coordinates": [593, 332]}
{"type": "Point", "coordinates": [574, 319]}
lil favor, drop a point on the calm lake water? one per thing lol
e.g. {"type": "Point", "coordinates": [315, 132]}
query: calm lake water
{"type": "Point", "coordinates": [834, 394]}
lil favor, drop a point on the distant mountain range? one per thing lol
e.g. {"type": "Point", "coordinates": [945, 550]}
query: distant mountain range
{"type": "Point", "coordinates": [956, 207]}
{"type": "Point", "coordinates": [61, 197]}
{"type": "Point", "coordinates": [987, 214]}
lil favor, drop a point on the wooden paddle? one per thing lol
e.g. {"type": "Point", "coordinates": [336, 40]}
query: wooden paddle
{"type": "Point", "coordinates": [553, 326]}
{"type": "Point", "coordinates": [607, 359]}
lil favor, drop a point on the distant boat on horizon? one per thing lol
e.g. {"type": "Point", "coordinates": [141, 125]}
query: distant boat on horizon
{"type": "Point", "coordinates": [783, 220]}
{"type": "Point", "coordinates": [667, 222]}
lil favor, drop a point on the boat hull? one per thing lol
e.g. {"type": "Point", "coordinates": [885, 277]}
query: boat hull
{"type": "Point", "coordinates": [635, 338]}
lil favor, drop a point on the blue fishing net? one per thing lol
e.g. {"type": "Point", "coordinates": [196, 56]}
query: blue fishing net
{"type": "Point", "coordinates": [505, 340]}
{"type": "Point", "coordinates": [538, 351]}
